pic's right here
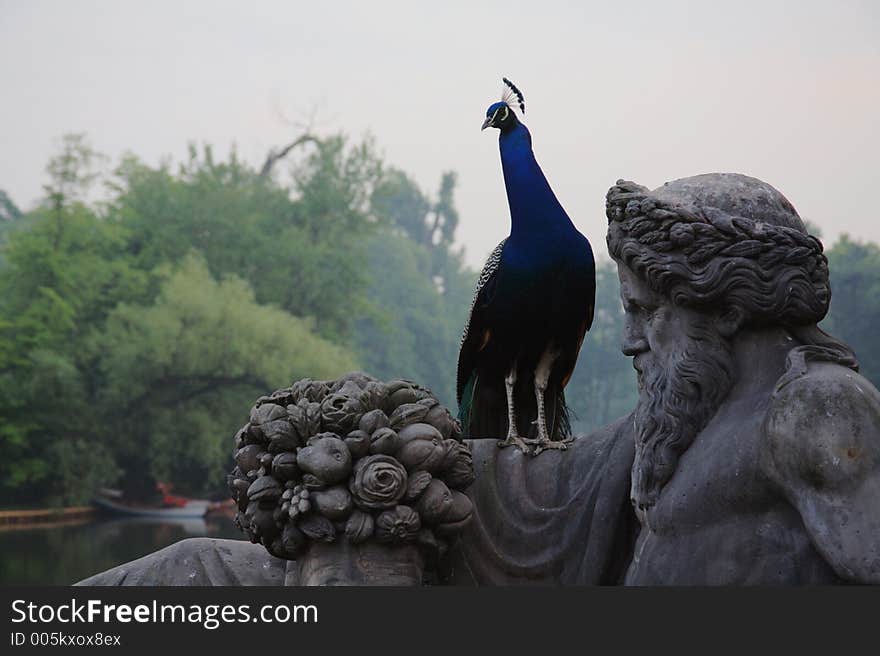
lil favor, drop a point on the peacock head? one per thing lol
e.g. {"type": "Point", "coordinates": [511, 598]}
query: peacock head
{"type": "Point", "coordinates": [501, 114]}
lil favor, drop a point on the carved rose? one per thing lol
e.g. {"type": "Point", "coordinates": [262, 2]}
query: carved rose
{"type": "Point", "coordinates": [341, 411]}
{"type": "Point", "coordinates": [399, 525]}
{"type": "Point", "coordinates": [379, 481]}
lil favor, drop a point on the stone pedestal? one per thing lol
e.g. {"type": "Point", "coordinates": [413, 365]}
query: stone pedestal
{"type": "Point", "coordinates": [370, 563]}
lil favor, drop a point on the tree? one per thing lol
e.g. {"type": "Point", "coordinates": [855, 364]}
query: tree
{"type": "Point", "coordinates": [855, 301]}
{"type": "Point", "coordinates": [603, 386]}
{"type": "Point", "coordinates": [62, 272]}
{"type": "Point", "coordinates": [179, 375]}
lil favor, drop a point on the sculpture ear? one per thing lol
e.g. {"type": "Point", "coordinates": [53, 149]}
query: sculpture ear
{"type": "Point", "coordinates": [730, 321]}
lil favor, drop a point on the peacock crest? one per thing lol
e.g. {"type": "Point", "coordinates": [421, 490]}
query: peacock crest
{"type": "Point", "coordinates": [512, 96]}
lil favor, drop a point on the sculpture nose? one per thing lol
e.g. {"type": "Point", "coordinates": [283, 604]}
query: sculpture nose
{"type": "Point", "coordinates": [634, 341]}
{"type": "Point", "coordinates": [632, 348]}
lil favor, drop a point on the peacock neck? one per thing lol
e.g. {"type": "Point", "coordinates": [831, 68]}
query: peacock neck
{"type": "Point", "coordinates": [535, 211]}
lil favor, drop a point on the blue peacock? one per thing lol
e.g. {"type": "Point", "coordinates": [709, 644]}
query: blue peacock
{"type": "Point", "coordinates": [532, 306]}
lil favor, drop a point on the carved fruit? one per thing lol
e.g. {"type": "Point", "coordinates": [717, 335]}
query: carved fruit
{"type": "Point", "coordinates": [284, 466]}
{"type": "Point", "coordinates": [248, 457]}
{"type": "Point", "coordinates": [374, 396]}
{"type": "Point", "coordinates": [419, 431]}
{"type": "Point", "coordinates": [373, 421]}
{"type": "Point", "coordinates": [461, 474]}
{"type": "Point", "coordinates": [334, 503]}
{"type": "Point", "coordinates": [385, 441]}
{"type": "Point", "coordinates": [458, 516]}
{"type": "Point", "coordinates": [265, 488]}
{"type": "Point", "coordinates": [309, 390]}
{"type": "Point", "coordinates": [328, 460]}
{"type": "Point", "coordinates": [359, 527]}
{"type": "Point", "coordinates": [406, 414]}
{"type": "Point", "coordinates": [358, 443]}
{"type": "Point", "coordinates": [416, 484]}
{"type": "Point", "coordinates": [420, 453]}
{"type": "Point", "coordinates": [317, 527]}
{"type": "Point", "coordinates": [401, 524]}
{"type": "Point", "coordinates": [435, 503]}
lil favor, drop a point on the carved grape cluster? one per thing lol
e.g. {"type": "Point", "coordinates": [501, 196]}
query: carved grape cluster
{"type": "Point", "coordinates": [353, 459]}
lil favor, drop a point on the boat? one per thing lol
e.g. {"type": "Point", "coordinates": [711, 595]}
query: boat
{"type": "Point", "coordinates": [112, 501]}
{"type": "Point", "coordinates": [193, 508]}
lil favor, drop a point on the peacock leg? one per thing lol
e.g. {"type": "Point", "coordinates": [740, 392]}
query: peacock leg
{"type": "Point", "coordinates": [542, 378]}
{"type": "Point", "coordinates": [513, 439]}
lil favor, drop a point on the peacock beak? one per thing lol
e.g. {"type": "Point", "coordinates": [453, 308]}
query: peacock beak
{"type": "Point", "coordinates": [487, 122]}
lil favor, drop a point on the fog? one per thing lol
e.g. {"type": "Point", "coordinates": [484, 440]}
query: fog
{"type": "Point", "coordinates": [787, 92]}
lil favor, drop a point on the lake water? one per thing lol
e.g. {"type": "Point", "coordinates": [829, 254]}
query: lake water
{"type": "Point", "coordinates": [62, 555]}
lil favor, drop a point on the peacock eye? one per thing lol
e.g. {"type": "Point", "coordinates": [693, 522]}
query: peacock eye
{"type": "Point", "coordinates": [504, 113]}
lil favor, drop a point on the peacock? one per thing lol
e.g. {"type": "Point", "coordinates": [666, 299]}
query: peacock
{"type": "Point", "coordinates": [532, 306]}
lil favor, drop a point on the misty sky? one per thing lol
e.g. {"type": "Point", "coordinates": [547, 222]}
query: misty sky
{"type": "Point", "coordinates": [788, 92]}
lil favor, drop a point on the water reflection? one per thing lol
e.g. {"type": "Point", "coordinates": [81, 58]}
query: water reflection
{"type": "Point", "coordinates": [61, 555]}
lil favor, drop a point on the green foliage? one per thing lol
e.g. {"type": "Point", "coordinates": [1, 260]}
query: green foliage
{"type": "Point", "coordinates": [183, 370]}
{"type": "Point", "coordinates": [72, 171]}
{"type": "Point", "coordinates": [60, 276]}
{"type": "Point", "coordinates": [603, 386]}
{"type": "Point", "coordinates": [135, 333]}
{"type": "Point", "coordinates": [419, 289]}
{"type": "Point", "coordinates": [855, 301]}
{"type": "Point", "coordinates": [10, 218]}
{"type": "Point", "coordinates": [410, 329]}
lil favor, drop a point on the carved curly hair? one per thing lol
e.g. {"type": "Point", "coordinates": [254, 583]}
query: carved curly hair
{"type": "Point", "coordinates": [690, 241]}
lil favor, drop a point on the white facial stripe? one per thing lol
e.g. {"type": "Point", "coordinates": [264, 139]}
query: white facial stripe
{"type": "Point", "coordinates": [503, 116]}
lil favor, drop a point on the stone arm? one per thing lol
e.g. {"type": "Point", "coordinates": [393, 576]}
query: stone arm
{"type": "Point", "coordinates": [822, 449]}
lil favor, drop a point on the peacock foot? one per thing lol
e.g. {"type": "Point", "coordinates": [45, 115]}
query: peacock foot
{"type": "Point", "coordinates": [517, 441]}
{"type": "Point", "coordinates": [544, 444]}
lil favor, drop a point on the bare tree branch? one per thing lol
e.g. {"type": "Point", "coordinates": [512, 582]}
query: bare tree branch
{"type": "Point", "coordinates": [275, 155]}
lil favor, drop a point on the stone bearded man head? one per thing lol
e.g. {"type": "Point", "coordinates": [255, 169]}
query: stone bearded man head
{"type": "Point", "coordinates": [701, 260]}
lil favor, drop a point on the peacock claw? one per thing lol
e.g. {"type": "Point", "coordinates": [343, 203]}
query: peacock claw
{"type": "Point", "coordinates": [517, 441]}
{"type": "Point", "coordinates": [543, 444]}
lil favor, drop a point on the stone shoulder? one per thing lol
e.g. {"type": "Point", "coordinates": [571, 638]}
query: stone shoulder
{"type": "Point", "coordinates": [823, 428]}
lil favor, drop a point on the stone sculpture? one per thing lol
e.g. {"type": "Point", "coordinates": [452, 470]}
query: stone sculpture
{"type": "Point", "coordinates": [328, 470]}
{"type": "Point", "coordinates": [752, 457]}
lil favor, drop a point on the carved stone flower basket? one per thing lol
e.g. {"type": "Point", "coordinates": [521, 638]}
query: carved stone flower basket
{"type": "Point", "coordinates": [357, 480]}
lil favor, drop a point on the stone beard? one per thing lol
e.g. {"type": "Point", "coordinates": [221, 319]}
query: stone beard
{"type": "Point", "coordinates": [676, 401]}
{"type": "Point", "coordinates": [721, 250]}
